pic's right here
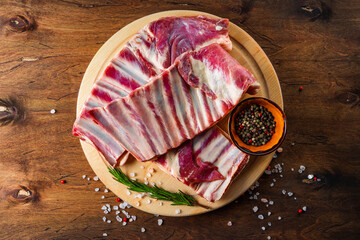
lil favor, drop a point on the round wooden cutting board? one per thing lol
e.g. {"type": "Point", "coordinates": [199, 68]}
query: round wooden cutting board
{"type": "Point", "coordinates": [248, 53]}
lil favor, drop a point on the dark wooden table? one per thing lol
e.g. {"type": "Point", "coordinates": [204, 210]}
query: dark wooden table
{"type": "Point", "coordinates": [45, 49]}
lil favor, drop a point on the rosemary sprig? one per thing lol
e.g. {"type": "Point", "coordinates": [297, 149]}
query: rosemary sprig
{"type": "Point", "coordinates": [179, 198]}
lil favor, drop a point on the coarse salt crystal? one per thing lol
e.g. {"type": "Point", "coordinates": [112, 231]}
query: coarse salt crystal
{"type": "Point", "coordinates": [290, 194]}
{"type": "Point", "coordinates": [260, 216]}
{"type": "Point", "coordinates": [124, 223]}
{"type": "Point", "coordinates": [151, 170]}
{"type": "Point", "coordinates": [271, 202]}
{"type": "Point", "coordinates": [300, 171]}
{"type": "Point", "coordinates": [96, 178]}
{"type": "Point", "coordinates": [97, 189]}
{"type": "Point", "coordinates": [281, 175]}
{"type": "Point", "coordinates": [257, 193]}
{"type": "Point", "coordinates": [83, 176]}
{"type": "Point", "coordinates": [302, 167]}
{"type": "Point", "coordinates": [104, 234]}
{"type": "Point", "coordinates": [118, 218]}
{"type": "Point", "coordinates": [145, 179]}
{"type": "Point", "coordinates": [274, 180]}
{"type": "Point", "coordinates": [267, 205]}
{"type": "Point", "coordinates": [128, 192]}
{"type": "Point", "coordinates": [156, 215]}
{"type": "Point", "coordinates": [108, 205]}
{"type": "Point", "coordinates": [264, 200]}
{"type": "Point", "coordinates": [275, 155]}
{"type": "Point", "coordinates": [218, 28]}
{"type": "Point", "coordinates": [272, 184]}
{"type": "Point", "coordinates": [102, 197]}
{"type": "Point", "coordinates": [268, 172]}
{"type": "Point", "coordinates": [146, 183]}
{"type": "Point", "coordinates": [115, 207]}
{"type": "Point", "coordinates": [319, 179]}
{"type": "Point", "coordinates": [131, 220]}
{"type": "Point", "coordinates": [133, 217]}
{"type": "Point", "coordinates": [137, 204]}
{"type": "Point", "coordinates": [143, 229]}
{"type": "Point", "coordinates": [106, 190]}
{"type": "Point", "coordinates": [292, 169]}
{"type": "Point", "coordinates": [255, 197]}
{"type": "Point", "coordinates": [269, 213]}
{"type": "Point", "coordinates": [251, 197]}
{"type": "Point", "coordinates": [294, 198]}
{"type": "Point", "coordinates": [229, 223]}
{"type": "Point", "coordinates": [160, 203]}
{"type": "Point", "coordinates": [177, 211]}
{"type": "Point", "coordinates": [152, 184]}
{"type": "Point", "coordinates": [148, 201]}
{"type": "Point", "coordinates": [257, 184]}
{"type": "Point", "coordinates": [280, 149]}
{"type": "Point", "coordinates": [292, 144]}
{"type": "Point", "coordinates": [88, 179]}
{"type": "Point", "coordinates": [52, 111]}
{"type": "Point", "coordinates": [117, 212]}
{"type": "Point", "coordinates": [310, 176]}
{"type": "Point", "coordinates": [160, 183]}
{"type": "Point", "coordinates": [304, 208]}
{"type": "Point", "coordinates": [103, 208]}
{"type": "Point", "coordinates": [283, 191]}
{"type": "Point", "coordinates": [142, 167]}
{"type": "Point", "coordinates": [108, 221]}
{"type": "Point", "coordinates": [255, 209]}
{"type": "Point", "coordinates": [160, 222]}
{"type": "Point", "coordinates": [104, 219]}
{"type": "Point", "coordinates": [148, 174]}
{"type": "Point", "coordinates": [263, 228]}
{"type": "Point", "coordinates": [132, 174]}
{"type": "Point", "coordinates": [269, 224]}
{"type": "Point", "coordinates": [106, 211]}
{"type": "Point", "coordinates": [268, 237]}
{"type": "Point", "coordinates": [279, 218]}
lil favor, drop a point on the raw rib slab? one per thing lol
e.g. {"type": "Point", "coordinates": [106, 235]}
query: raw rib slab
{"type": "Point", "coordinates": [154, 48]}
{"type": "Point", "coordinates": [214, 149]}
{"type": "Point", "coordinates": [168, 111]}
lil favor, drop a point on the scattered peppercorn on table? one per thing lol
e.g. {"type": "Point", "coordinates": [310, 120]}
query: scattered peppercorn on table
{"type": "Point", "coordinates": [48, 190]}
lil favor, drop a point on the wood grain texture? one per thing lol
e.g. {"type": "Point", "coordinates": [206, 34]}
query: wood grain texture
{"type": "Point", "coordinates": [45, 49]}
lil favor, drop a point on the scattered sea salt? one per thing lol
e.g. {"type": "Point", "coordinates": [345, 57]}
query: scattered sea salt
{"type": "Point", "coordinates": [292, 144]}
{"type": "Point", "coordinates": [106, 211]}
{"type": "Point", "coordinates": [152, 184]}
{"type": "Point", "coordinates": [160, 222]}
{"type": "Point", "coordinates": [117, 212]}
{"type": "Point", "coordinates": [269, 213]}
{"type": "Point", "coordinates": [177, 211]}
{"type": "Point", "coordinates": [290, 194]}
{"type": "Point", "coordinates": [52, 111]}
{"type": "Point", "coordinates": [268, 172]}
{"type": "Point", "coordinates": [151, 170]}
{"type": "Point", "coordinates": [283, 192]}
{"type": "Point", "coordinates": [115, 207]}
{"type": "Point", "coordinates": [83, 176]}
{"type": "Point", "coordinates": [131, 220]}
{"type": "Point", "coordinates": [103, 208]}
{"type": "Point", "coordinates": [156, 215]}
{"type": "Point", "coordinates": [118, 218]}
{"type": "Point", "coordinates": [300, 171]}
{"type": "Point", "coordinates": [261, 216]}
{"type": "Point", "coordinates": [160, 203]}
{"type": "Point", "coordinates": [128, 192]}
{"type": "Point", "coordinates": [255, 197]}
{"type": "Point", "coordinates": [268, 237]}
{"type": "Point", "coordinates": [318, 180]}
{"type": "Point", "coordinates": [148, 174]}
{"type": "Point", "coordinates": [279, 218]}
{"type": "Point", "coordinates": [229, 223]}
{"type": "Point", "coordinates": [304, 208]}
{"type": "Point", "coordinates": [96, 178]}
{"type": "Point", "coordinates": [132, 174]}
{"type": "Point", "coordinates": [97, 189]}
{"type": "Point", "coordinates": [264, 200]}
{"type": "Point", "coordinates": [294, 198]}
{"type": "Point", "coordinates": [257, 184]}
{"type": "Point", "coordinates": [271, 202]}
{"type": "Point", "coordinates": [148, 201]}
{"type": "Point", "coordinates": [272, 184]}
{"type": "Point", "coordinates": [142, 167]}
{"type": "Point", "coordinates": [281, 175]}
{"type": "Point", "coordinates": [274, 180]}
{"type": "Point", "coordinates": [146, 183]}
{"type": "Point", "coordinates": [133, 217]}
{"type": "Point", "coordinates": [275, 155]}
{"type": "Point", "coordinates": [88, 179]}
{"type": "Point", "coordinates": [269, 224]}
{"type": "Point", "coordinates": [124, 223]}
{"type": "Point", "coordinates": [143, 229]}
{"type": "Point", "coordinates": [106, 190]}
{"type": "Point", "coordinates": [108, 221]}
{"type": "Point", "coordinates": [280, 149]}
{"type": "Point", "coordinates": [104, 234]}
{"type": "Point", "coordinates": [160, 183]}
{"type": "Point", "coordinates": [218, 28]}
{"type": "Point", "coordinates": [137, 204]}
{"type": "Point", "coordinates": [263, 228]}
{"type": "Point", "coordinates": [255, 209]}
{"type": "Point", "coordinates": [102, 197]}
{"type": "Point", "coordinates": [292, 169]}
{"type": "Point", "coordinates": [267, 205]}
{"type": "Point", "coordinates": [302, 168]}
{"type": "Point", "coordinates": [104, 219]}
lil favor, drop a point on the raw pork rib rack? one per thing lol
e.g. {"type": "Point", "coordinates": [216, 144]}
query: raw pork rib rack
{"type": "Point", "coordinates": [178, 55]}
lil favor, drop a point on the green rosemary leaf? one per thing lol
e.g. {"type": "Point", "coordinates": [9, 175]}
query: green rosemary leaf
{"type": "Point", "coordinates": [179, 198]}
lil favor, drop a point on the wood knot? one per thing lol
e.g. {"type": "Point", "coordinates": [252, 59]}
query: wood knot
{"type": "Point", "coordinates": [21, 23]}
{"type": "Point", "coordinates": [316, 9]}
{"type": "Point", "coordinates": [11, 111]}
{"type": "Point", "coordinates": [348, 97]}
{"type": "Point", "coordinates": [23, 195]}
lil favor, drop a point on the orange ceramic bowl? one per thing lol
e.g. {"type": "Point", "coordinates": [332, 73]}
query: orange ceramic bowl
{"type": "Point", "coordinates": [280, 129]}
